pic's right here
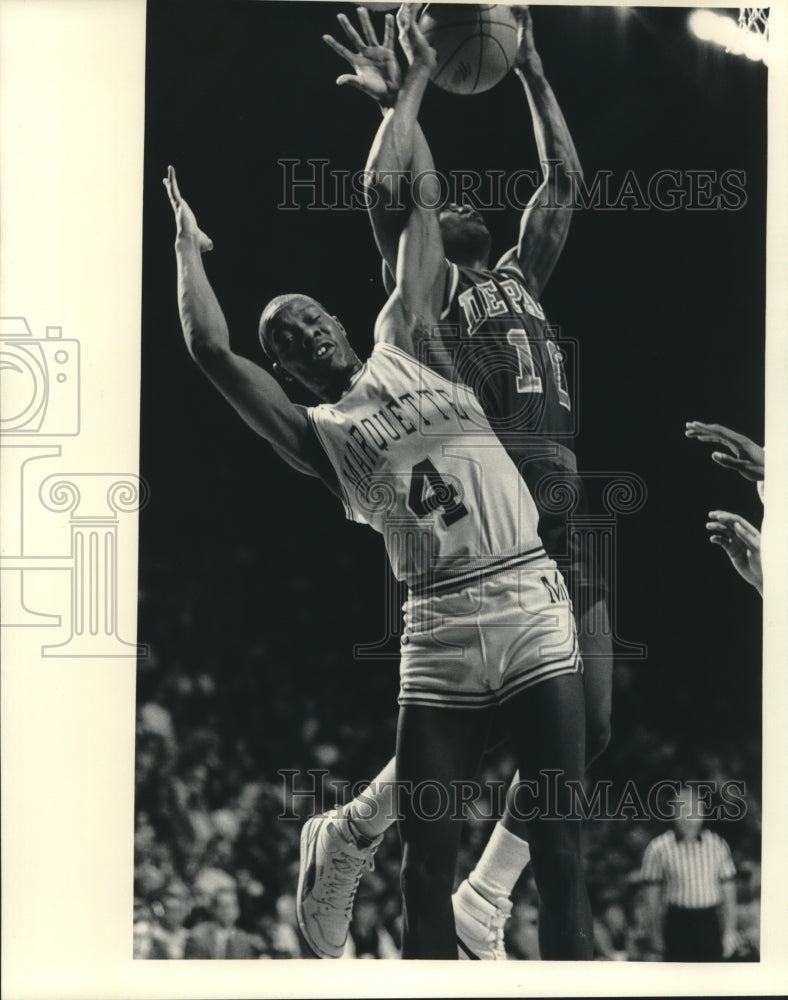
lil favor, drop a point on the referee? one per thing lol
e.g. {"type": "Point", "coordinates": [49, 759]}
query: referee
{"type": "Point", "coordinates": [689, 876]}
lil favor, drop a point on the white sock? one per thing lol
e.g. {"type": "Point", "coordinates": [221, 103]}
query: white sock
{"type": "Point", "coordinates": [500, 866]}
{"type": "Point", "coordinates": [375, 809]}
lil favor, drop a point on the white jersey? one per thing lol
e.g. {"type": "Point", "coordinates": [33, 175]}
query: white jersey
{"type": "Point", "coordinates": [417, 460]}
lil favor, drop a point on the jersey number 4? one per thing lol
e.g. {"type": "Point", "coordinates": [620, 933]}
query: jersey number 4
{"type": "Point", "coordinates": [527, 379]}
{"type": "Point", "coordinates": [429, 492]}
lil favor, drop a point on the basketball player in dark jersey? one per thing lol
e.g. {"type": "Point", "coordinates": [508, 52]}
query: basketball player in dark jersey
{"type": "Point", "coordinates": [502, 345]}
{"type": "Point", "coordinates": [533, 672]}
{"type": "Point", "coordinates": [494, 337]}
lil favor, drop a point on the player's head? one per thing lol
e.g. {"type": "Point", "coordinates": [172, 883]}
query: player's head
{"type": "Point", "coordinates": [306, 343]}
{"type": "Point", "coordinates": [689, 812]}
{"type": "Point", "coordinates": [466, 238]}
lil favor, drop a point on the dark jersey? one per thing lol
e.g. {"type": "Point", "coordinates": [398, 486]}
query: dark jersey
{"type": "Point", "coordinates": [502, 346]}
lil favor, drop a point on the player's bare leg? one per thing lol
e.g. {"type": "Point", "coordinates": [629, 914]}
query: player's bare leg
{"type": "Point", "coordinates": [482, 902]}
{"type": "Point", "coordinates": [374, 809]}
{"type": "Point", "coordinates": [546, 726]}
{"type": "Point", "coordinates": [436, 749]}
{"type": "Point", "coordinates": [596, 650]}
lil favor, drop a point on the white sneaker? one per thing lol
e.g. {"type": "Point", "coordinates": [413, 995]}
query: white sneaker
{"type": "Point", "coordinates": [332, 863]}
{"type": "Point", "coordinates": [479, 924]}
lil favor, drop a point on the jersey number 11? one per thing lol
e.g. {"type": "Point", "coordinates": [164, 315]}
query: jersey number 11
{"type": "Point", "coordinates": [527, 379]}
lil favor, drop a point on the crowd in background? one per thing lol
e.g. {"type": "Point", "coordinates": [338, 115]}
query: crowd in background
{"type": "Point", "coordinates": [216, 864]}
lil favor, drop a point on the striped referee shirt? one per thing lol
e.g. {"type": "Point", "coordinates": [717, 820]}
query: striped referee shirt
{"type": "Point", "coordinates": [691, 870]}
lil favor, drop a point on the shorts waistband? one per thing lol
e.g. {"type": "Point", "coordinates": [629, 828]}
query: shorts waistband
{"type": "Point", "coordinates": [481, 570]}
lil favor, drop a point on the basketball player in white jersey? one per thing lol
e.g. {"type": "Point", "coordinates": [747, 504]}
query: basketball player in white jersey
{"type": "Point", "coordinates": [488, 620]}
{"type": "Point", "coordinates": [501, 306]}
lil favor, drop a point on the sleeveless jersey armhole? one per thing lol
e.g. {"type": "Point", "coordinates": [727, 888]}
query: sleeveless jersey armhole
{"type": "Point", "coordinates": [323, 464]}
{"type": "Point", "coordinates": [510, 262]}
{"type": "Point", "coordinates": [451, 288]}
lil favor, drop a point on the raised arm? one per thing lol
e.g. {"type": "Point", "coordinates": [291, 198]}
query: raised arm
{"type": "Point", "coordinates": [389, 165]}
{"type": "Point", "coordinates": [420, 265]}
{"type": "Point", "coordinates": [545, 222]}
{"type": "Point", "coordinates": [254, 393]}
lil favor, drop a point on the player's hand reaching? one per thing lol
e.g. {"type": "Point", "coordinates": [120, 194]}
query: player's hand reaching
{"type": "Point", "coordinates": [741, 541]}
{"type": "Point", "coordinates": [186, 227]}
{"type": "Point", "coordinates": [743, 455]}
{"type": "Point", "coordinates": [417, 49]}
{"type": "Point", "coordinates": [376, 71]}
{"type": "Point", "coordinates": [525, 34]}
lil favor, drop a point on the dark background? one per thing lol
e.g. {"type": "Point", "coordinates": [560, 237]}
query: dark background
{"type": "Point", "coordinates": [253, 587]}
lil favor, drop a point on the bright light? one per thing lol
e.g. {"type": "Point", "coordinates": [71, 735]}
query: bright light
{"type": "Point", "coordinates": [755, 46]}
{"type": "Point", "coordinates": [725, 31]}
{"type": "Point", "coordinates": [703, 24]}
{"type": "Point", "coordinates": [734, 40]}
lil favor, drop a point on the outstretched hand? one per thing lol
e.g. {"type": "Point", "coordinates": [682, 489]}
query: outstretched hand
{"type": "Point", "coordinates": [526, 50]}
{"type": "Point", "coordinates": [376, 71]}
{"type": "Point", "coordinates": [185, 220]}
{"type": "Point", "coordinates": [742, 543]}
{"type": "Point", "coordinates": [525, 27]}
{"type": "Point", "coordinates": [415, 46]}
{"type": "Point", "coordinates": [743, 455]}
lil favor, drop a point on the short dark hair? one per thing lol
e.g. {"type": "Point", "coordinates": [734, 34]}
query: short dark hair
{"type": "Point", "coordinates": [274, 306]}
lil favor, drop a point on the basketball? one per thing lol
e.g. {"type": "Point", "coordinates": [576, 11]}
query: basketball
{"type": "Point", "coordinates": [475, 44]}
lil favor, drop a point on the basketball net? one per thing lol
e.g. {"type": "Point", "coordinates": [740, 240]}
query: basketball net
{"type": "Point", "coordinates": [751, 37]}
{"type": "Point", "coordinates": [755, 19]}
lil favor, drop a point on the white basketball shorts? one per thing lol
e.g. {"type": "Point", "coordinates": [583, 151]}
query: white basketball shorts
{"type": "Point", "coordinates": [479, 645]}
